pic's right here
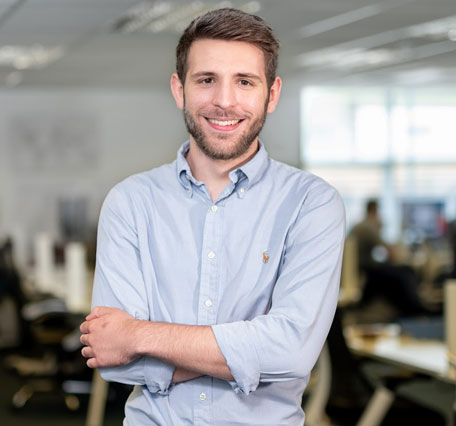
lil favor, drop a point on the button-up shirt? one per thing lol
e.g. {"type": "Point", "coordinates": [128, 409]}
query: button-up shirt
{"type": "Point", "coordinates": [260, 265]}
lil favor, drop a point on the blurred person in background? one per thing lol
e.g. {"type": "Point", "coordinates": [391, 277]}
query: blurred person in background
{"type": "Point", "coordinates": [383, 277]}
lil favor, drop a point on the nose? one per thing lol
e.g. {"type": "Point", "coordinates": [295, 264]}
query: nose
{"type": "Point", "coordinates": [225, 95]}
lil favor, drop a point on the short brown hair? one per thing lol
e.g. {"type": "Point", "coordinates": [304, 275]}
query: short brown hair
{"type": "Point", "coordinates": [234, 25]}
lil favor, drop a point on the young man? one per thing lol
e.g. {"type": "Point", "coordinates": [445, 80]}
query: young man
{"type": "Point", "coordinates": [217, 275]}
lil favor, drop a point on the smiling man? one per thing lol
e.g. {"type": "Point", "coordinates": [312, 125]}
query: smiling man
{"type": "Point", "coordinates": [217, 275]}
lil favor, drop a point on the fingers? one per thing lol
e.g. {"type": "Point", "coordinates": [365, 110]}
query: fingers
{"type": "Point", "coordinates": [84, 327]}
{"type": "Point", "coordinates": [84, 339]}
{"type": "Point", "coordinates": [99, 311]}
{"type": "Point", "coordinates": [87, 352]}
{"type": "Point", "coordinates": [92, 363]}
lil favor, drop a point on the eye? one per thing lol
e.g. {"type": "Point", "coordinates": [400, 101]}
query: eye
{"type": "Point", "coordinates": [207, 80]}
{"type": "Point", "coordinates": [245, 83]}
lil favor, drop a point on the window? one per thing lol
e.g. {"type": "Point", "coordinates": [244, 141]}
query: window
{"type": "Point", "coordinates": [390, 143]}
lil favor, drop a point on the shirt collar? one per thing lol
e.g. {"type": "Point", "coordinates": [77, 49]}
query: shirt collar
{"type": "Point", "coordinates": [253, 170]}
{"type": "Point", "coordinates": [255, 167]}
{"type": "Point", "coordinates": [184, 174]}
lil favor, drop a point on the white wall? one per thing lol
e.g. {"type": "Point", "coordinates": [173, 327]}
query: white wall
{"type": "Point", "coordinates": [127, 132]}
{"type": "Point", "coordinates": [79, 143]}
{"type": "Point", "coordinates": [281, 132]}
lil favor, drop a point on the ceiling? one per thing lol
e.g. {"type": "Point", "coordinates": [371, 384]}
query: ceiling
{"type": "Point", "coordinates": [78, 43]}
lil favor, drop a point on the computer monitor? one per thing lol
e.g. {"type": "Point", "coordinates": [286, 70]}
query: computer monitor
{"type": "Point", "coordinates": [423, 219]}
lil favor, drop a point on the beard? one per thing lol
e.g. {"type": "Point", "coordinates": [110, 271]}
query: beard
{"type": "Point", "coordinates": [231, 149]}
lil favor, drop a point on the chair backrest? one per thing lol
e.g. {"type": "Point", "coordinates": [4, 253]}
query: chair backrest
{"type": "Point", "coordinates": [450, 325]}
{"type": "Point", "coordinates": [351, 280]}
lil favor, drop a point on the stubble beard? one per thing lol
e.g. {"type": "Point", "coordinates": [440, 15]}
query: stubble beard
{"type": "Point", "coordinates": [239, 147]}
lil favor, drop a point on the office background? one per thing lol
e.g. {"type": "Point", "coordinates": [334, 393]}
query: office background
{"type": "Point", "coordinates": [369, 103]}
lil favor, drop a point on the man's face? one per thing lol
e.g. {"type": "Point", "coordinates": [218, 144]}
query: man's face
{"type": "Point", "coordinates": [225, 98]}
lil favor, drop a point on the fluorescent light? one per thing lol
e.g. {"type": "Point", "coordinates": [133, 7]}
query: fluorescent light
{"type": "Point", "coordinates": [452, 34]}
{"type": "Point", "coordinates": [348, 59]}
{"type": "Point", "coordinates": [437, 29]}
{"type": "Point", "coordinates": [165, 16]}
{"type": "Point", "coordinates": [141, 15]}
{"type": "Point", "coordinates": [25, 57]}
{"type": "Point", "coordinates": [350, 17]}
{"type": "Point", "coordinates": [373, 50]}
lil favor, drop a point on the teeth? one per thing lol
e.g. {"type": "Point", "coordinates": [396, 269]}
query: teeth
{"type": "Point", "coordinates": [224, 123]}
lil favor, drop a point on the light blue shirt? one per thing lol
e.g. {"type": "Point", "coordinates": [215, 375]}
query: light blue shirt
{"type": "Point", "coordinates": [261, 266]}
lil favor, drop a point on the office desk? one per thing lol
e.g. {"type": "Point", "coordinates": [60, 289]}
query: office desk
{"type": "Point", "coordinates": [427, 357]}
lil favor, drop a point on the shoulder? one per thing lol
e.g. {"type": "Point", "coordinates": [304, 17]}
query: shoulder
{"type": "Point", "coordinates": [131, 193]}
{"type": "Point", "coordinates": [306, 187]}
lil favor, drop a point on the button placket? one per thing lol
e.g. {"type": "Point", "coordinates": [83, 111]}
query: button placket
{"type": "Point", "coordinates": [210, 266]}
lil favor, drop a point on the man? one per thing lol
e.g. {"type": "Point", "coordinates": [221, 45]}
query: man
{"type": "Point", "coordinates": [367, 234]}
{"type": "Point", "coordinates": [384, 278]}
{"type": "Point", "coordinates": [217, 275]}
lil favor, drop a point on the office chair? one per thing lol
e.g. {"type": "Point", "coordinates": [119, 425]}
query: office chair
{"type": "Point", "coordinates": [46, 349]}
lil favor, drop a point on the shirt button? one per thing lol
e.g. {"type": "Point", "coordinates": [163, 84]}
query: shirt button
{"type": "Point", "coordinates": [208, 303]}
{"type": "Point", "coordinates": [211, 255]}
{"type": "Point", "coordinates": [214, 209]}
{"type": "Point", "coordinates": [202, 396]}
{"type": "Point", "coordinates": [242, 190]}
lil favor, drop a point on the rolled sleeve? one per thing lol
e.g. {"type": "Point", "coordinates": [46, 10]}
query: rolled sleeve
{"type": "Point", "coordinates": [119, 284]}
{"type": "Point", "coordinates": [241, 355]}
{"type": "Point", "coordinates": [285, 343]}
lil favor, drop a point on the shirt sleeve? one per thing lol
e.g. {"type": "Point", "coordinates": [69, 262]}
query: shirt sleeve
{"type": "Point", "coordinates": [119, 284]}
{"type": "Point", "coordinates": [285, 343]}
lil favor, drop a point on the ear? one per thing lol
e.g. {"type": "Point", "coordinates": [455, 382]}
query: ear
{"type": "Point", "coordinates": [274, 95]}
{"type": "Point", "coordinates": [177, 89]}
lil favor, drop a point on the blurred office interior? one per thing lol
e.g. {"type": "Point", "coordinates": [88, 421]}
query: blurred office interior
{"type": "Point", "coordinates": [368, 103]}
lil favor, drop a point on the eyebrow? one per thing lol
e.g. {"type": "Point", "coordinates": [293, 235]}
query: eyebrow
{"type": "Point", "coordinates": [200, 74]}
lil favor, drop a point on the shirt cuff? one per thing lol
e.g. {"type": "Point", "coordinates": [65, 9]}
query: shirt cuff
{"type": "Point", "coordinates": [235, 343]}
{"type": "Point", "coordinates": [158, 375]}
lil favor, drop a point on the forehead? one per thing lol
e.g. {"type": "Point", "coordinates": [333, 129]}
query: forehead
{"type": "Point", "coordinates": [223, 56]}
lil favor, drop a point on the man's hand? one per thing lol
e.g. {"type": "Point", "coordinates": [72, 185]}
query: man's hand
{"type": "Point", "coordinates": [112, 338]}
{"type": "Point", "coordinates": [109, 337]}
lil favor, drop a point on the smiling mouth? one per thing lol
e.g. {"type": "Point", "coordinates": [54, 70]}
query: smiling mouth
{"type": "Point", "coordinates": [224, 125]}
{"type": "Point", "coordinates": [223, 122]}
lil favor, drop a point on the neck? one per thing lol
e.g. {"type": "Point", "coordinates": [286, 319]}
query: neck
{"type": "Point", "coordinates": [215, 173]}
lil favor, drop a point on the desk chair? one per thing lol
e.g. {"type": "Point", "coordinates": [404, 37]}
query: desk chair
{"type": "Point", "coordinates": [351, 281]}
{"type": "Point", "coordinates": [47, 351]}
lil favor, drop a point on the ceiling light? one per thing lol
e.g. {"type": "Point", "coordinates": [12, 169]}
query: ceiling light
{"type": "Point", "coordinates": [452, 34]}
{"type": "Point", "coordinates": [437, 29]}
{"type": "Point", "coordinates": [348, 59]}
{"type": "Point", "coordinates": [165, 16]}
{"type": "Point", "coordinates": [377, 50]}
{"type": "Point", "coordinates": [140, 15]}
{"type": "Point", "coordinates": [25, 57]}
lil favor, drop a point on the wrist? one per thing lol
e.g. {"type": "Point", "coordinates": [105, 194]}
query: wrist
{"type": "Point", "coordinates": [138, 337]}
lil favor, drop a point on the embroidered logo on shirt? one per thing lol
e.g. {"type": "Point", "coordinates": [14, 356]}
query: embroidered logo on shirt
{"type": "Point", "coordinates": [265, 256]}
